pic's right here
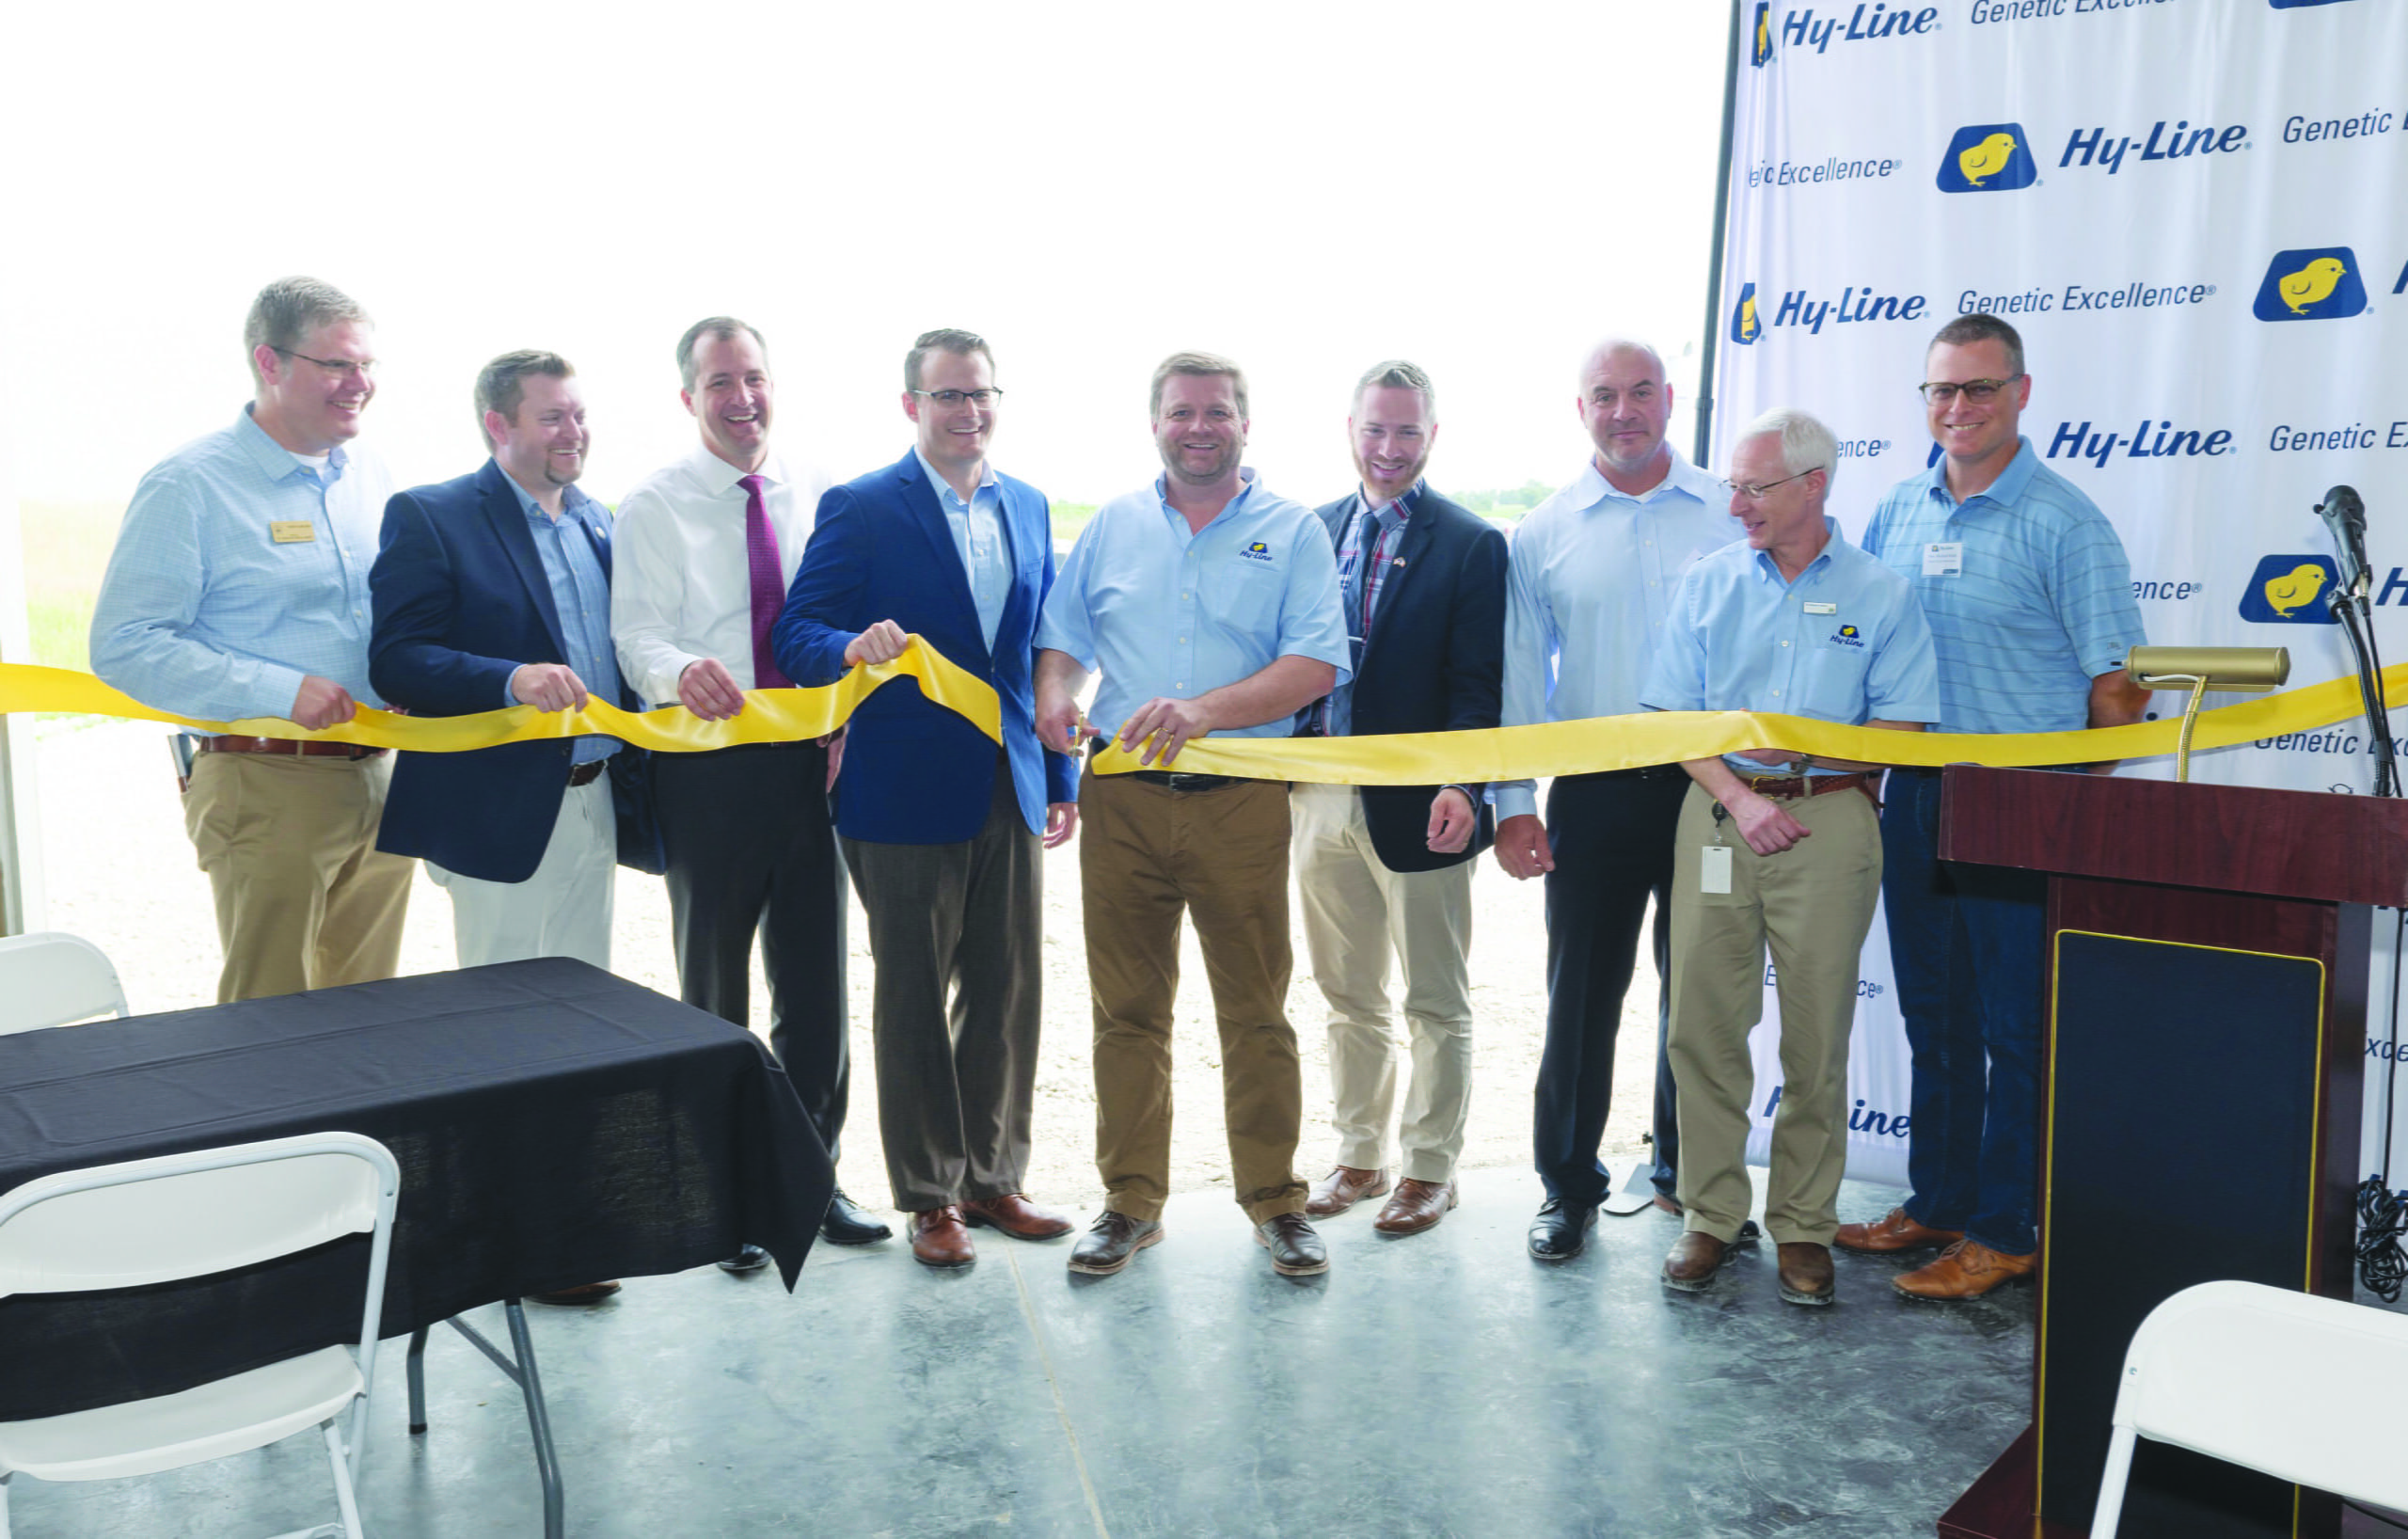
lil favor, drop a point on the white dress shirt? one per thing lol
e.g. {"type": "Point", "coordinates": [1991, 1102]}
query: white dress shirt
{"type": "Point", "coordinates": [1589, 581]}
{"type": "Point", "coordinates": [681, 581]}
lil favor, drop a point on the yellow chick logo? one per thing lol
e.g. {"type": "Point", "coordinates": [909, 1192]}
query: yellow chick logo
{"type": "Point", "coordinates": [2315, 281]}
{"type": "Point", "coordinates": [1748, 321]}
{"type": "Point", "coordinates": [2300, 587]}
{"type": "Point", "coordinates": [1988, 158]}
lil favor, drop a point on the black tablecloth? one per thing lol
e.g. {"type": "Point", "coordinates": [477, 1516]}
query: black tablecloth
{"type": "Point", "coordinates": [554, 1125]}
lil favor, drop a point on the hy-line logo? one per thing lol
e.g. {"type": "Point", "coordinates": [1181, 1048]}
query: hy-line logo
{"type": "Point", "coordinates": [1988, 157]}
{"type": "Point", "coordinates": [1804, 27]}
{"type": "Point", "coordinates": [2319, 283]}
{"type": "Point", "coordinates": [1746, 325]}
{"type": "Point", "coordinates": [1802, 308]}
{"type": "Point", "coordinates": [2289, 591]}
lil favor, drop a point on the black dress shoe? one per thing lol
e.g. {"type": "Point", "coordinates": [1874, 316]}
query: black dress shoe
{"type": "Point", "coordinates": [1560, 1233]}
{"type": "Point", "coordinates": [847, 1224]}
{"type": "Point", "coordinates": [749, 1258]}
{"type": "Point", "coordinates": [1296, 1251]}
{"type": "Point", "coordinates": [1111, 1241]}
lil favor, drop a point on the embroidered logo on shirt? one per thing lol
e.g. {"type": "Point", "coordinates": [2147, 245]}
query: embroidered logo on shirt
{"type": "Point", "coordinates": [1847, 635]}
{"type": "Point", "coordinates": [1256, 552]}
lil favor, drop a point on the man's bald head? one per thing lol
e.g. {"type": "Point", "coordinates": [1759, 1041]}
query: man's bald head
{"type": "Point", "coordinates": [1625, 403]}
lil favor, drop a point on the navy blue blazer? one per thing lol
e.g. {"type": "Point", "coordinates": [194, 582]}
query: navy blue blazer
{"type": "Point", "coordinates": [1435, 662]}
{"type": "Point", "coordinates": [461, 601]}
{"type": "Point", "coordinates": [916, 774]}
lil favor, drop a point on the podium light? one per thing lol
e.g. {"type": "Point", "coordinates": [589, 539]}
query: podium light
{"type": "Point", "coordinates": [2237, 670]}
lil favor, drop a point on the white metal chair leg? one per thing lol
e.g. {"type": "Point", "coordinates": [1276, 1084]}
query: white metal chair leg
{"type": "Point", "coordinates": [2110, 1486]}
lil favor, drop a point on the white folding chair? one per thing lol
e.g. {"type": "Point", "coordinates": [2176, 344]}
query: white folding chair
{"type": "Point", "coordinates": [189, 1215]}
{"type": "Point", "coordinates": [50, 978]}
{"type": "Point", "coordinates": [2302, 1388]}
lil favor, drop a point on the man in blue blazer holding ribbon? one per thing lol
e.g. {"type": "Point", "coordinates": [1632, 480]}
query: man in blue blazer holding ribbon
{"type": "Point", "coordinates": [491, 591]}
{"type": "Point", "coordinates": [942, 826]}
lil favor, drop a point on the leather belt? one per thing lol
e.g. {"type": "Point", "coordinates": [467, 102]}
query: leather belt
{"type": "Point", "coordinates": [1858, 780]}
{"type": "Point", "coordinates": [1178, 780]}
{"type": "Point", "coordinates": [292, 747]}
{"type": "Point", "coordinates": [586, 773]}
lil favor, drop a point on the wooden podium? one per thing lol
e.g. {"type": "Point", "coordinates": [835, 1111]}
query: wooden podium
{"type": "Point", "coordinates": [2206, 991]}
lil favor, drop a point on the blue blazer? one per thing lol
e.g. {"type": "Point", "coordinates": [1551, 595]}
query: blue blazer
{"type": "Point", "coordinates": [1435, 662]}
{"type": "Point", "coordinates": [915, 772]}
{"type": "Point", "coordinates": [461, 601]}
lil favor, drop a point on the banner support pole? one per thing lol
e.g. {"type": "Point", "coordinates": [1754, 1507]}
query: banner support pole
{"type": "Point", "coordinates": [1721, 221]}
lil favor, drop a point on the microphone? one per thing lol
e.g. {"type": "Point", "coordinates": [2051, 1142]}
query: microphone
{"type": "Point", "coordinates": [2345, 515]}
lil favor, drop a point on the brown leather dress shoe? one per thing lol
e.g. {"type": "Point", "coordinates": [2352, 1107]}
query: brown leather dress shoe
{"type": "Point", "coordinates": [1416, 1206]}
{"type": "Point", "coordinates": [1342, 1188]}
{"type": "Point", "coordinates": [1017, 1216]}
{"type": "Point", "coordinates": [1967, 1269]}
{"type": "Point", "coordinates": [1296, 1251]}
{"type": "Point", "coordinates": [1111, 1241]}
{"type": "Point", "coordinates": [1806, 1273]}
{"type": "Point", "coordinates": [583, 1294]}
{"type": "Point", "coordinates": [1893, 1232]}
{"type": "Point", "coordinates": [938, 1238]}
{"type": "Point", "coordinates": [1695, 1258]}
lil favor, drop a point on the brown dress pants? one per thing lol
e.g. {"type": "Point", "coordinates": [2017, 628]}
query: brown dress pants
{"type": "Point", "coordinates": [1148, 854]}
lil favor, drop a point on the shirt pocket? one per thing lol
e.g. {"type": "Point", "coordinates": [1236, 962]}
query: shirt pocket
{"type": "Point", "coordinates": [1249, 598]}
{"type": "Point", "coordinates": [1835, 667]}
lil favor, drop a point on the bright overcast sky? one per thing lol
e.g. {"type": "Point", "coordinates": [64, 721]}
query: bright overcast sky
{"type": "Point", "coordinates": [1308, 188]}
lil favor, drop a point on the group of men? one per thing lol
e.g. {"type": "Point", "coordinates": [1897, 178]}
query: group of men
{"type": "Point", "coordinates": [270, 569]}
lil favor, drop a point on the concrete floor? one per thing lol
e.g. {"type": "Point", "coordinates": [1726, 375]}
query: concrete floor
{"type": "Point", "coordinates": [1442, 1385]}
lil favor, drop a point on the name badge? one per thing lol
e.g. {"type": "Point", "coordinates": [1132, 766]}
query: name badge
{"type": "Point", "coordinates": [1821, 608]}
{"type": "Point", "coordinates": [292, 531]}
{"type": "Point", "coordinates": [1714, 869]}
{"type": "Point", "coordinates": [1943, 558]}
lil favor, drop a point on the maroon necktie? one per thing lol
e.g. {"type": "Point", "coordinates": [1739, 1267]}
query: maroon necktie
{"type": "Point", "coordinates": [769, 593]}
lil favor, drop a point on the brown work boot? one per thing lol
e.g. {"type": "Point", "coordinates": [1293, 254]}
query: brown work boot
{"type": "Point", "coordinates": [1416, 1206]}
{"type": "Point", "coordinates": [1806, 1273]}
{"type": "Point", "coordinates": [1342, 1188]}
{"type": "Point", "coordinates": [1967, 1269]}
{"type": "Point", "coordinates": [1893, 1232]}
{"type": "Point", "coordinates": [1111, 1241]}
{"type": "Point", "coordinates": [1696, 1257]}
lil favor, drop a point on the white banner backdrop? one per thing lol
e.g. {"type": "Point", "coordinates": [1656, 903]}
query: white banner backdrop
{"type": "Point", "coordinates": [2196, 212]}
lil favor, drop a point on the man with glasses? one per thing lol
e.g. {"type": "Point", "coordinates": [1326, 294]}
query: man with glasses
{"type": "Point", "coordinates": [941, 827]}
{"type": "Point", "coordinates": [2030, 599]}
{"type": "Point", "coordinates": [1389, 867]}
{"type": "Point", "coordinates": [1778, 848]}
{"type": "Point", "coordinates": [707, 547]}
{"type": "Point", "coordinates": [239, 589]}
{"type": "Point", "coordinates": [1590, 584]}
{"type": "Point", "coordinates": [1212, 606]}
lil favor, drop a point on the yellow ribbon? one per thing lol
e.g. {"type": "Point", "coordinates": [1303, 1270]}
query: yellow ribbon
{"type": "Point", "coordinates": [1422, 758]}
{"type": "Point", "coordinates": [1627, 742]}
{"type": "Point", "coordinates": [768, 716]}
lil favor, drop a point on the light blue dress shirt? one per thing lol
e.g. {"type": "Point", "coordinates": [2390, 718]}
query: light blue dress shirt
{"type": "Point", "coordinates": [1166, 613]}
{"type": "Point", "coordinates": [2041, 602]}
{"type": "Point", "coordinates": [1845, 643]}
{"type": "Point", "coordinates": [581, 597]}
{"type": "Point", "coordinates": [1589, 580]}
{"type": "Point", "coordinates": [206, 611]}
{"type": "Point", "coordinates": [982, 542]}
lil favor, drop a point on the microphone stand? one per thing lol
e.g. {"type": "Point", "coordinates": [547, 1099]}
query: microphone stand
{"type": "Point", "coordinates": [2348, 604]}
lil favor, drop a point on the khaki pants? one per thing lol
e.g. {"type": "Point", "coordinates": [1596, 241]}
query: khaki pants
{"type": "Point", "coordinates": [305, 900]}
{"type": "Point", "coordinates": [1356, 911]}
{"type": "Point", "coordinates": [1147, 856]}
{"type": "Point", "coordinates": [563, 906]}
{"type": "Point", "coordinates": [1812, 903]}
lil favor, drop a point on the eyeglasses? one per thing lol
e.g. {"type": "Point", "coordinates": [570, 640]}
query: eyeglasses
{"type": "Point", "coordinates": [1940, 392]}
{"type": "Point", "coordinates": [1755, 493]}
{"type": "Point", "coordinates": [987, 397]}
{"type": "Point", "coordinates": [363, 368]}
